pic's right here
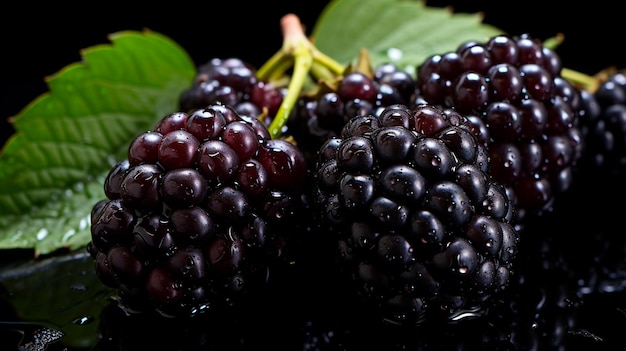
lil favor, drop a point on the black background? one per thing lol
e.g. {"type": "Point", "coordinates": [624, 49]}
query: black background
{"type": "Point", "coordinates": [39, 40]}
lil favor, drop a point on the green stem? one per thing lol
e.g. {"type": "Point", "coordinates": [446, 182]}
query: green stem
{"type": "Point", "coordinates": [275, 66]}
{"type": "Point", "coordinates": [326, 61]}
{"type": "Point", "coordinates": [321, 72]}
{"type": "Point", "coordinates": [302, 66]}
{"type": "Point", "coordinates": [299, 51]}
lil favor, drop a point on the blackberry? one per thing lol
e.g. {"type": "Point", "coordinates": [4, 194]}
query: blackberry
{"type": "Point", "coordinates": [232, 82]}
{"type": "Point", "coordinates": [604, 127]}
{"type": "Point", "coordinates": [419, 224]}
{"type": "Point", "coordinates": [566, 294]}
{"type": "Point", "coordinates": [322, 114]}
{"type": "Point", "coordinates": [525, 112]}
{"type": "Point", "coordinates": [198, 213]}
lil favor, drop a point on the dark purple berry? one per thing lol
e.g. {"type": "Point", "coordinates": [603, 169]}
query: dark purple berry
{"type": "Point", "coordinates": [202, 208]}
{"type": "Point", "coordinates": [522, 109]}
{"type": "Point", "coordinates": [414, 214]}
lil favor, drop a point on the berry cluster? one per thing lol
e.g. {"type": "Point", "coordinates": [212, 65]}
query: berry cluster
{"type": "Point", "coordinates": [525, 112]}
{"type": "Point", "coordinates": [196, 215]}
{"type": "Point", "coordinates": [419, 223]}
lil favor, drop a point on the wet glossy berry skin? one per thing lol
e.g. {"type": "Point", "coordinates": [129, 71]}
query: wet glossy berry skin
{"type": "Point", "coordinates": [418, 223]}
{"type": "Point", "coordinates": [197, 213]}
{"type": "Point", "coordinates": [526, 114]}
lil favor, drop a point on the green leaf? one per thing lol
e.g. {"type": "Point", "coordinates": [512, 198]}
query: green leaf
{"type": "Point", "coordinates": [387, 28]}
{"type": "Point", "coordinates": [52, 169]}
